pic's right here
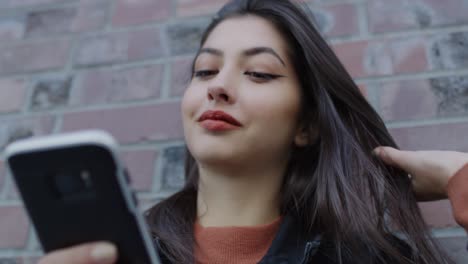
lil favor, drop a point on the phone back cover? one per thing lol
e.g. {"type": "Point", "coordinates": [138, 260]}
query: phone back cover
{"type": "Point", "coordinates": [89, 206]}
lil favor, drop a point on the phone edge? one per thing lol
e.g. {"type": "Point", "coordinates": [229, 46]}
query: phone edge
{"type": "Point", "coordinates": [100, 138]}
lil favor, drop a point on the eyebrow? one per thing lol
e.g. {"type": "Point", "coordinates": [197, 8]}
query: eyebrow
{"type": "Point", "coordinates": [247, 53]}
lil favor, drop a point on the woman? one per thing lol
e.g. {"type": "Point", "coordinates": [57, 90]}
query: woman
{"type": "Point", "coordinates": [282, 165]}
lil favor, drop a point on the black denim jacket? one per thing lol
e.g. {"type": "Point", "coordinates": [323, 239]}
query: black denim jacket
{"type": "Point", "coordinates": [293, 246]}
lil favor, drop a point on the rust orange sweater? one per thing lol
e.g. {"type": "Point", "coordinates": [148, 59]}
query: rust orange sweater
{"type": "Point", "coordinates": [239, 245]}
{"type": "Point", "coordinates": [246, 245]}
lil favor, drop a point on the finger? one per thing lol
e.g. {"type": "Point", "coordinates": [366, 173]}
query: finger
{"type": "Point", "coordinates": [405, 160]}
{"type": "Point", "coordinates": [92, 253]}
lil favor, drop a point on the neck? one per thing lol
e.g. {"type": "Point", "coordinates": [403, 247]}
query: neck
{"type": "Point", "coordinates": [244, 196]}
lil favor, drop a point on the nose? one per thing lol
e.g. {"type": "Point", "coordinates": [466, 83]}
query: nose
{"type": "Point", "coordinates": [220, 89]}
{"type": "Point", "coordinates": [219, 94]}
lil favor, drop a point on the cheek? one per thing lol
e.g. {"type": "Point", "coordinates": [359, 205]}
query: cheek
{"type": "Point", "coordinates": [274, 125]}
{"type": "Point", "coordinates": [189, 105]}
{"type": "Point", "coordinates": [191, 101]}
{"type": "Point", "coordinates": [274, 120]}
{"type": "Point", "coordinates": [277, 109]}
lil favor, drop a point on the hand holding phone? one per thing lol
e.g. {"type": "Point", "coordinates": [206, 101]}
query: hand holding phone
{"type": "Point", "coordinates": [75, 190]}
{"type": "Point", "coordinates": [90, 253]}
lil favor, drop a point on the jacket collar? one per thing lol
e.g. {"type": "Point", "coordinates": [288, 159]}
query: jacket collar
{"type": "Point", "coordinates": [291, 244]}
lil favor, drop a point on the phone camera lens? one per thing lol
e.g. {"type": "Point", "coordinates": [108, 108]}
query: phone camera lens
{"type": "Point", "coordinates": [68, 184]}
{"type": "Point", "coordinates": [86, 178]}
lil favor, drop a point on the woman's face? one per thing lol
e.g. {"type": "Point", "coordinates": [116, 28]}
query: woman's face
{"type": "Point", "coordinates": [242, 70]}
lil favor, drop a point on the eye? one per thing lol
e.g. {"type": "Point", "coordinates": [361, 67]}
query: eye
{"type": "Point", "coordinates": [204, 73]}
{"type": "Point", "coordinates": [259, 76]}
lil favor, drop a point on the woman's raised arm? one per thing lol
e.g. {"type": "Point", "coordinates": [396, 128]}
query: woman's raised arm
{"type": "Point", "coordinates": [435, 175]}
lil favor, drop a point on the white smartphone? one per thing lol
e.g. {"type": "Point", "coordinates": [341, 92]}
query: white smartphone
{"type": "Point", "coordinates": [76, 190]}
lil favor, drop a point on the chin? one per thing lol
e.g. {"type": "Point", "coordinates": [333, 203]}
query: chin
{"type": "Point", "coordinates": [206, 154]}
{"type": "Point", "coordinates": [212, 155]}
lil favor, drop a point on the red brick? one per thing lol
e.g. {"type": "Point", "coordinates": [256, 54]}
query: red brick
{"type": "Point", "coordinates": [51, 93]}
{"type": "Point", "coordinates": [363, 88]}
{"type": "Point", "coordinates": [131, 125]}
{"type": "Point", "coordinates": [449, 51]}
{"type": "Point", "coordinates": [448, 12]}
{"type": "Point", "coordinates": [406, 100]}
{"type": "Point", "coordinates": [438, 214]}
{"type": "Point", "coordinates": [119, 47]}
{"type": "Point", "coordinates": [389, 16]}
{"type": "Point", "coordinates": [130, 12]}
{"type": "Point", "coordinates": [409, 55]}
{"type": "Point", "coordinates": [452, 95]}
{"type": "Point", "coordinates": [140, 164]}
{"type": "Point", "coordinates": [104, 86]}
{"type": "Point", "coordinates": [344, 20]}
{"type": "Point", "coordinates": [184, 37]}
{"type": "Point", "coordinates": [198, 7]}
{"type": "Point", "coordinates": [91, 15]}
{"type": "Point", "coordinates": [11, 29]}
{"type": "Point", "coordinates": [12, 95]}
{"type": "Point", "coordinates": [14, 227]}
{"type": "Point", "coordinates": [102, 49]}
{"type": "Point", "coordinates": [53, 21]}
{"type": "Point", "coordinates": [423, 99]}
{"type": "Point", "coordinates": [403, 14]}
{"type": "Point", "coordinates": [30, 3]}
{"type": "Point", "coordinates": [181, 73]}
{"type": "Point", "coordinates": [172, 169]}
{"type": "Point", "coordinates": [144, 44]}
{"type": "Point", "coordinates": [450, 136]}
{"type": "Point", "coordinates": [377, 58]}
{"type": "Point", "coordinates": [36, 56]}
{"type": "Point", "coordinates": [352, 55]}
{"type": "Point", "coordinates": [363, 59]}
{"type": "Point", "coordinates": [88, 16]}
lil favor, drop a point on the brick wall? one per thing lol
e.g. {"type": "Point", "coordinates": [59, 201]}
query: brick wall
{"type": "Point", "coordinates": [121, 65]}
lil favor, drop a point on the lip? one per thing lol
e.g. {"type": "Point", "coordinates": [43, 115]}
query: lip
{"type": "Point", "coordinates": [218, 121]}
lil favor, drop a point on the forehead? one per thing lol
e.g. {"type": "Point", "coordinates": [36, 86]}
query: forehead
{"type": "Point", "coordinates": [244, 32]}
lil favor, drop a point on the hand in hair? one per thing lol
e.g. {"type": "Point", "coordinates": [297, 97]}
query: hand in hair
{"type": "Point", "coordinates": [430, 171]}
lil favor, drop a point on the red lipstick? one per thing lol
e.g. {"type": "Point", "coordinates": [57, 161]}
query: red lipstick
{"type": "Point", "coordinates": [218, 121]}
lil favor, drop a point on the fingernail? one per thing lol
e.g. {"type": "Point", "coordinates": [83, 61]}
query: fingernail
{"type": "Point", "coordinates": [376, 152]}
{"type": "Point", "coordinates": [103, 253]}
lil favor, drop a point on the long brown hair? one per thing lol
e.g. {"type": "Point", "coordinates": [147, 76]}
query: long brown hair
{"type": "Point", "coordinates": [334, 185]}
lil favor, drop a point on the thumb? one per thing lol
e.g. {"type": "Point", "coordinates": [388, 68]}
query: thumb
{"type": "Point", "coordinates": [394, 157]}
{"type": "Point", "coordinates": [95, 253]}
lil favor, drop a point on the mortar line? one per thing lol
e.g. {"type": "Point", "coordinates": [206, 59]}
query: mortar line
{"type": "Point", "coordinates": [426, 122]}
